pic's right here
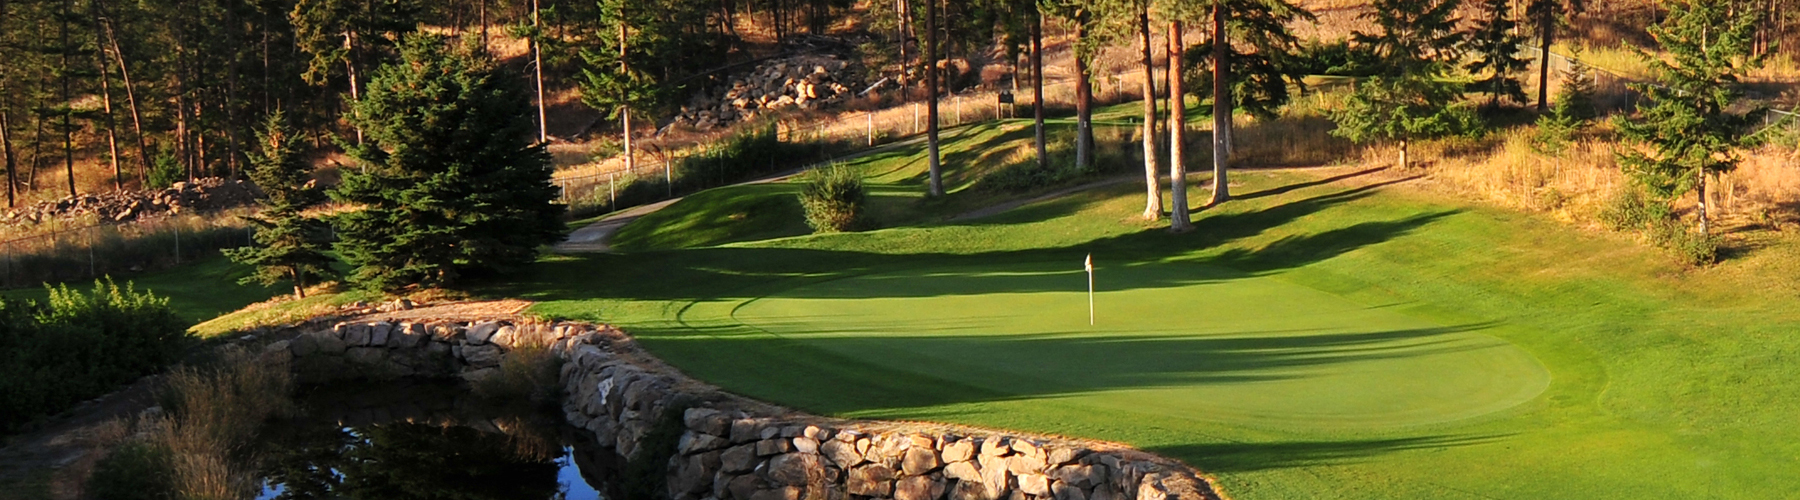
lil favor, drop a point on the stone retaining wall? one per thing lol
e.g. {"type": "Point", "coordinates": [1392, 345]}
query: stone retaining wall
{"type": "Point", "coordinates": [732, 448]}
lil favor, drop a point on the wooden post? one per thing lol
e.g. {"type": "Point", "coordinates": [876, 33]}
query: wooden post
{"type": "Point", "coordinates": [871, 130]}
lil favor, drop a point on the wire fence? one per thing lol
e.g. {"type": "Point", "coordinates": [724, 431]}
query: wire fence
{"type": "Point", "coordinates": [612, 184]}
{"type": "Point", "coordinates": [91, 251]}
{"type": "Point", "coordinates": [1613, 82]}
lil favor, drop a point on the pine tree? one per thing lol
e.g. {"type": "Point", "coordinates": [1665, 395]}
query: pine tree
{"type": "Point", "coordinates": [1411, 100]}
{"type": "Point", "coordinates": [1573, 112]}
{"type": "Point", "coordinates": [1495, 43]}
{"type": "Point", "coordinates": [1689, 131]}
{"type": "Point", "coordinates": [453, 186]}
{"type": "Point", "coordinates": [289, 244]}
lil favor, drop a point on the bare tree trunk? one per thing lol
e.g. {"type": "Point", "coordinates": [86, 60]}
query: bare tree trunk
{"type": "Point", "coordinates": [68, 101]}
{"type": "Point", "coordinates": [350, 71]}
{"type": "Point", "coordinates": [625, 109]}
{"type": "Point", "coordinates": [112, 133]}
{"type": "Point", "coordinates": [1037, 88]}
{"type": "Point", "coordinates": [137, 121]}
{"type": "Point", "coordinates": [1152, 188]}
{"type": "Point", "coordinates": [484, 24]}
{"type": "Point", "coordinates": [1221, 189]}
{"type": "Point", "coordinates": [537, 65]}
{"type": "Point", "coordinates": [231, 95]}
{"type": "Point", "coordinates": [1701, 202]}
{"type": "Point", "coordinates": [1178, 206]}
{"type": "Point", "coordinates": [1547, 34]}
{"type": "Point", "coordinates": [37, 149]}
{"type": "Point", "coordinates": [183, 149]}
{"type": "Point", "coordinates": [903, 11]}
{"type": "Point", "coordinates": [1084, 101]}
{"type": "Point", "coordinates": [931, 101]}
{"type": "Point", "coordinates": [7, 150]}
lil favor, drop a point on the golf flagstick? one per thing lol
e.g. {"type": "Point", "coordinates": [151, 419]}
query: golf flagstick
{"type": "Point", "coordinates": [1089, 264]}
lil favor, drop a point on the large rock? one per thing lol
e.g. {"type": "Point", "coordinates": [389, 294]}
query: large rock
{"type": "Point", "coordinates": [304, 345]}
{"type": "Point", "coordinates": [783, 493]}
{"type": "Point", "coordinates": [805, 444]}
{"type": "Point", "coordinates": [842, 453]}
{"type": "Point", "coordinates": [356, 334]}
{"type": "Point", "coordinates": [1034, 484]}
{"type": "Point", "coordinates": [707, 420]}
{"type": "Point", "coordinates": [773, 446]}
{"type": "Point", "coordinates": [919, 460]}
{"type": "Point", "coordinates": [482, 356]}
{"type": "Point", "coordinates": [479, 333]}
{"type": "Point", "coordinates": [695, 442]}
{"type": "Point", "coordinates": [1064, 455]}
{"type": "Point", "coordinates": [744, 430]}
{"type": "Point", "coordinates": [995, 447]}
{"type": "Point", "coordinates": [739, 459]}
{"type": "Point", "coordinates": [965, 471]}
{"type": "Point", "coordinates": [742, 487]}
{"type": "Point", "coordinates": [379, 333]}
{"type": "Point", "coordinates": [329, 344]}
{"type": "Point", "coordinates": [367, 356]}
{"type": "Point", "coordinates": [1025, 463]}
{"type": "Point", "coordinates": [1062, 491]}
{"type": "Point", "coordinates": [918, 488]}
{"type": "Point", "coordinates": [958, 451]}
{"type": "Point", "coordinates": [873, 480]}
{"type": "Point", "coordinates": [796, 469]}
{"type": "Point", "coordinates": [1081, 476]}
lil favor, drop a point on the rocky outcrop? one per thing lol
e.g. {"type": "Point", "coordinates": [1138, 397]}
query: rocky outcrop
{"type": "Point", "coordinates": [808, 81]}
{"type": "Point", "coordinates": [733, 448]}
{"type": "Point", "coordinates": [120, 206]}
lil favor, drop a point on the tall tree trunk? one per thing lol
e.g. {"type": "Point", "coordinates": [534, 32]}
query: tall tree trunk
{"type": "Point", "coordinates": [183, 149]}
{"type": "Point", "coordinates": [112, 132]}
{"type": "Point", "coordinates": [625, 109]}
{"type": "Point", "coordinates": [6, 149]}
{"type": "Point", "coordinates": [137, 121]}
{"type": "Point", "coordinates": [68, 101]}
{"type": "Point", "coordinates": [931, 100]}
{"type": "Point", "coordinates": [1037, 88]}
{"type": "Point", "coordinates": [537, 66]}
{"type": "Point", "coordinates": [1084, 101]}
{"type": "Point", "coordinates": [350, 71]}
{"type": "Point", "coordinates": [37, 149]}
{"type": "Point", "coordinates": [1221, 188]}
{"type": "Point", "coordinates": [1701, 202]}
{"type": "Point", "coordinates": [1152, 188]}
{"type": "Point", "coordinates": [231, 93]}
{"type": "Point", "coordinates": [484, 25]}
{"type": "Point", "coordinates": [1178, 206]}
{"type": "Point", "coordinates": [901, 15]}
{"type": "Point", "coordinates": [1547, 34]}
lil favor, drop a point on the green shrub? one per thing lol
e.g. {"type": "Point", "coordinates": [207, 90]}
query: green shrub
{"type": "Point", "coordinates": [135, 471]}
{"type": "Point", "coordinates": [165, 171]}
{"type": "Point", "coordinates": [77, 346]}
{"type": "Point", "coordinates": [833, 198]}
{"type": "Point", "coordinates": [1691, 247]}
{"type": "Point", "coordinates": [1631, 208]}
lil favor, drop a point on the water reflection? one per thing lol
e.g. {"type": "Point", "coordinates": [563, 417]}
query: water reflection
{"type": "Point", "coordinates": [420, 440]}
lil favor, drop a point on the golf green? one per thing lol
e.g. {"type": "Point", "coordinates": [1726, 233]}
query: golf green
{"type": "Point", "coordinates": [1180, 339]}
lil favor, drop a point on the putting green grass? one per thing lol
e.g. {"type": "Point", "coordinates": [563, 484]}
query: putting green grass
{"type": "Point", "coordinates": [1315, 338]}
{"type": "Point", "coordinates": [1266, 353]}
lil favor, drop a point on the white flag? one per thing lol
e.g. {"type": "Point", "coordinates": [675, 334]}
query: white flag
{"type": "Point", "coordinates": [1089, 265]}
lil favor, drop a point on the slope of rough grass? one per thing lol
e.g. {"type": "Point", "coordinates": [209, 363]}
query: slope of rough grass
{"type": "Point", "coordinates": [1246, 339]}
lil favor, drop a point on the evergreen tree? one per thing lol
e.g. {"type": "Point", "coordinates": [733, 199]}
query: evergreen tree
{"type": "Point", "coordinates": [1495, 43]}
{"type": "Point", "coordinates": [1573, 112]}
{"type": "Point", "coordinates": [1689, 131]}
{"type": "Point", "coordinates": [289, 244]}
{"type": "Point", "coordinates": [453, 184]}
{"type": "Point", "coordinates": [1411, 100]}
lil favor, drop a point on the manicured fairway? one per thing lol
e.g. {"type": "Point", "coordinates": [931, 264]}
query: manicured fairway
{"type": "Point", "coordinates": [1324, 335]}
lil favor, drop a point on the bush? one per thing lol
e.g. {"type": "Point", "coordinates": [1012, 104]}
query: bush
{"type": "Point", "coordinates": [528, 376]}
{"type": "Point", "coordinates": [1631, 208]}
{"type": "Point", "coordinates": [833, 198]}
{"type": "Point", "coordinates": [1691, 247]}
{"type": "Point", "coordinates": [165, 171]}
{"type": "Point", "coordinates": [78, 346]}
{"type": "Point", "coordinates": [135, 471]}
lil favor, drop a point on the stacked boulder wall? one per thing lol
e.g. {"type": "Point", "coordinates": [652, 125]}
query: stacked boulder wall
{"type": "Point", "coordinates": [712, 445]}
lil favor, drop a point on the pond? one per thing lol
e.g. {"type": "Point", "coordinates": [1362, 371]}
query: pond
{"type": "Point", "coordinates": [413, 439]}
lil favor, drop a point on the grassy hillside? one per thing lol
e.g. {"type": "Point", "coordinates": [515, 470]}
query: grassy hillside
{"type": "Point", "coordinates": [1315, 339]}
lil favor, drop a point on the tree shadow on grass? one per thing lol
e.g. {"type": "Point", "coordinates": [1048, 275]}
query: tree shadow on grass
{"type": "Point", "coordinates": [1251, 457]}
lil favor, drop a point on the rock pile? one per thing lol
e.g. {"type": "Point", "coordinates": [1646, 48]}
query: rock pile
{"type": "Point", "coordinates": [120, 206]}
{"type": "Point", "coordinates": [731, 448]}
{"type": "Point", "coordinates": [807, 81]}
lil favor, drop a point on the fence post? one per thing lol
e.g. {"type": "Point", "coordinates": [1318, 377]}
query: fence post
{"type": "Point", "coordinates": [612, 193]}
{"type": "Point", "coordinates": [915, 109]}
{"type": "Point", "coordinates": [669, 176]}
{"type": "Point", "coordinates": [871, 132]}
{"type": "Point", "coordinates": [93, 269]}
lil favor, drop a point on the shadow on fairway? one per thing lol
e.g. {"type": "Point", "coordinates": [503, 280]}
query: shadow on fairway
{"type": "Point", "coordinates": [723, 273]}
{"type": "Point", "coordinates": [1248, 457]}
{"type": "Point", "coordinates": [874, 370]}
